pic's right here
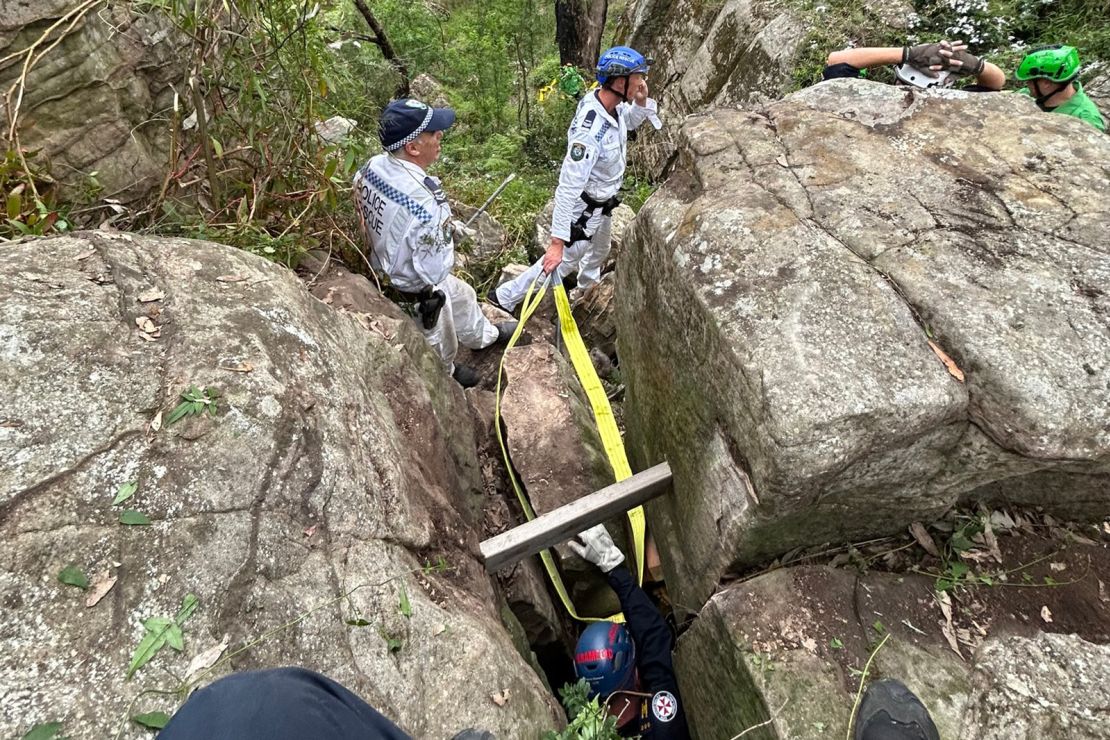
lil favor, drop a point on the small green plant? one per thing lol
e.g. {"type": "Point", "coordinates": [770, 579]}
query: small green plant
{"type": "Point", "coordinates": [439, 566]}
{"type": "Point", "coordinates": [393, 643]}
{"type": "Point", "coordinates": [589, 720]}
{"type": "Point", "coordinates": [161, 631]}
{"type": "Point", "coordinates": [194, 402]}
{"type": "Point", "coordinates": [405, 606]}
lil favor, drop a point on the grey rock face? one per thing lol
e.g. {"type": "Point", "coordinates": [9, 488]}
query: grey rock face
{"type": "Point", "coordinates": [779, 296]}
{"type": "Point", "coordinates": [785, 649]}
{"type": "Point", "coordinates": [341, 461]}
{"type": "Point", "coordinates": [718, 54]}
{"type": "Point", "coordinates": [100, 100]}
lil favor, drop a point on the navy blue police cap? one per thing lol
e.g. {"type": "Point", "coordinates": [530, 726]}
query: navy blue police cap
{"type": "Point", "coordinates": [405, 119]}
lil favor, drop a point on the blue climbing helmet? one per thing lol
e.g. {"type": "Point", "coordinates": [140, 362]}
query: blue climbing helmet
{"type": "Point", "coordinates": [620, 61]}
{"type": "Point", "coordinates": [606, 657]}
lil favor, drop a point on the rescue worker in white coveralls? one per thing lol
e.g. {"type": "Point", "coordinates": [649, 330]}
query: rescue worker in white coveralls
{"type": "Point", "coordinates": [406, 218]}
{"type": "Point", "coordinates": [592, 173]}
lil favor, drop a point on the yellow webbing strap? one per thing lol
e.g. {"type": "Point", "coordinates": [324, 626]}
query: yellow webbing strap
{"type": "Point", "coordinates": [603, 415]}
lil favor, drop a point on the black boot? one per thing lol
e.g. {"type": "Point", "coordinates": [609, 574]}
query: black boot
{"type": "Point", "coordinates": [505, 331]}
{"type": "Point", "coordinates": [890, 711]}
{"type": "Point", "coordinates": [465, 376]}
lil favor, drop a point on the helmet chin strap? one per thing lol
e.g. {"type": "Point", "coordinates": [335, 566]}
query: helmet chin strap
{"type": "Point", "coordinates": [1042, 100]}
{"type": "Point", "coordinates": [624, 93]}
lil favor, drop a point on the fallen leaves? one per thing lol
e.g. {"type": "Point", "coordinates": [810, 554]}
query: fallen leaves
{"type": "Point", "coordinates": [946, 627]}
{"type": "Point", "coordinates": [206, 659]}
{"type": "Point", "coordinates": [309, 531]}
{"type": "Point", "coordinates": [243, 367]}
{"type": "Point", "coordinates": [156, 422]}
{"type": "Point", "coordinates": [152, 720]}
{"type": "Point", "coordinates": [924, 539]}
{"type": "Point", "coordinates": [148, 330]}
{"type": "Point", "coordinates": [124, 492]}
{"type": "Point", "coordinates": [133, 518]}
{"type": "Point", "coordinates": [953, 369]}
{"type": "Point", "coordinates": [85, 255]}
{"type": "Point", "coordinates": [101, 585]}
{"type": "Point", "coordinates": [71, 575]}
{"type": "Point", "coordinates": [231, 278]}
{"type": "Point", "coordinates": [500, 698]}
{"type": "Point", "coordinates": [151, 295]}
{"type": "Point", "coordinates": [1046, 614]}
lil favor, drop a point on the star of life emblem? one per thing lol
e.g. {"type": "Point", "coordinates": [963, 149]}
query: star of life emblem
{"type": "Point", "coordinates": [664, 706]}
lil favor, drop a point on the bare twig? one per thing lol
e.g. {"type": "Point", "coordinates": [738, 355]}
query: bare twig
{"type": "Point", "coordinates": [765, 722]}
{"type": "Point", "coordinates": [862, 682]}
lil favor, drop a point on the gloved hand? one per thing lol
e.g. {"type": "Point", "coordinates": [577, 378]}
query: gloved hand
{"type": "Point", "coordinates": [925, 57]}
{"type": "Point", "coordinates": [462, 231]}
{"type": "Point", "coordinates": [598, 548]}
{"type": "Point", "coordinates": [961, 62]}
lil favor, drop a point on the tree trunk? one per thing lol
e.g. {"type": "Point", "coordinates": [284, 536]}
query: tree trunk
{"type": "Point", "coordinates": [579, 25]}
{"type": "Point", "coordinates": [382, 42]}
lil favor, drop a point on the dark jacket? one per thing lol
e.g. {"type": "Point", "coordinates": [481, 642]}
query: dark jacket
{"type": "Point", "coordinates": [662, 717]}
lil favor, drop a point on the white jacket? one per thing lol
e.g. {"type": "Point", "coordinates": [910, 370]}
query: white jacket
{"type": "Point", "coordinates": [407, 221]}
{"type": "Point", "coordinates": [596, 155]}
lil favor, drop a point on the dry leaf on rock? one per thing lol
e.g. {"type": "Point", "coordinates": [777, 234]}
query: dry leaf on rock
{"type": "Point", "coordinates": [924, 539]}
{"type": "Point", "coordinates": [309, 531]}
{"type": "Point", "coordinates": [156, 422]}
{"type": "Point", "coordinates": [1057, 567]}
{"type": "Point", "coordinates": [1046, 615]}
{"type": "Point", "coordinates": [953, 369]}
{"type": "Point", "coordinates": [206, 659]}
{"type": "Point", "coordinates": [231, 278]}
{"type": "Point", "coordinates": [150, 295]}
{"type": "Point", "coordinates": [86, 255]}
{"type": "Point", "coordinates": [946, 628]}
{"type": "Point", "coordinates": [243, 367]}
{"type": "Point", "coordinates": [1102, 595]}
{"type": "Point", "coordinates": [500, 698]}
{"type": "Point", "coordinates": [102, 583]}
{"type": "Point", "coordinates": [145, 324]}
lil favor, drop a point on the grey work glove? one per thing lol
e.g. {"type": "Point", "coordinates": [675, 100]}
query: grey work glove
{"type": "Point", "coordinates": [598, 548]}
{"type": "Point", "coordinates": [924, 57]}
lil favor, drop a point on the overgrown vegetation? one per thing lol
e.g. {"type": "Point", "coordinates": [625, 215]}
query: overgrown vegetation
{"type": "Point", "coordinates": [1001, 30]}
{"type": "Point", "coordinates": [589, 719]}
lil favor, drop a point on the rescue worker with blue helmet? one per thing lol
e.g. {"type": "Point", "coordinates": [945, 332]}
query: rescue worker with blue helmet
{"type": "Point", "coordinates": [591, 175]}
{"type": "Point", "coordinates": [629, 665]}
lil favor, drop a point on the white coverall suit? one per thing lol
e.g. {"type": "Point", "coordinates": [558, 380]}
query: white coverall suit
{"type": "Point", "coordinates": [405, 215]}
{"type": "Point", "coordinates": [594, 164]}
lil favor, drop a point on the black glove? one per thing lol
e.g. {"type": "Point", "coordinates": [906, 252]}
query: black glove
{"type": "Point", "coordinates": [923, 56]}
{"type": "Point", "coordinates": [429, 306]}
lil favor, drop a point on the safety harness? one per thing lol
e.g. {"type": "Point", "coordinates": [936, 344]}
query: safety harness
{"type": "Point", "coordinates": [578, 228]}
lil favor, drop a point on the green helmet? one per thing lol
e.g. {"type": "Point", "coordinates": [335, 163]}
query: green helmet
{"type": "Point", "coordinates": [1058, 63]}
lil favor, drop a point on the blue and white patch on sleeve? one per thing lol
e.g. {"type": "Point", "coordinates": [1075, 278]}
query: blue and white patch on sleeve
{"type": "Point", "coordinates": [664, 706]}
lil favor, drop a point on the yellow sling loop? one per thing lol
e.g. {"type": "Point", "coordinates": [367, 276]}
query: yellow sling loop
{"type": "Point", "coordinates": [603, 418]}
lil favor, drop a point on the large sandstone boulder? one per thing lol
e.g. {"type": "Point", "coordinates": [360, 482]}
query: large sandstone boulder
{"type": "Point", "coordinates": [331, 504]}
{"type": "Point", "coordinates": [716, 54]}
{"type": "Point", "coordinates": [98, 102]}
{"type": "Point", "coordinates": [784, 652]}
{"type": "Point", "coordinates": [782, 295]}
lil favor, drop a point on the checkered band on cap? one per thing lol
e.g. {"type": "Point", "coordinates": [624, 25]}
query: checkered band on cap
{"type": "Point", "coordinates": [412, 137]}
